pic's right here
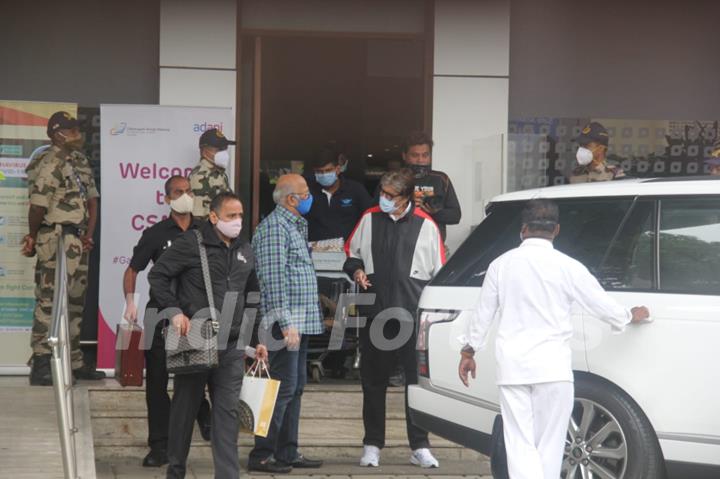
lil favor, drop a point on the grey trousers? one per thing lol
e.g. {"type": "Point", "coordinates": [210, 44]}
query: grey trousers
{"type": "Point", "coordinates": [224, 384]}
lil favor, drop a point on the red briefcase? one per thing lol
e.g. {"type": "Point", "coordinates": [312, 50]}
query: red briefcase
{"type": "Point", "coordinates": [129, 358]}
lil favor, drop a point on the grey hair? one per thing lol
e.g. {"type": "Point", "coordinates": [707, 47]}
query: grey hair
{"type": "Point", "coordinates": [281, 192]}
{"type": "Point", "coordinates": [403, 181]}
{"type": "Point", "coordinates": [541, 215]}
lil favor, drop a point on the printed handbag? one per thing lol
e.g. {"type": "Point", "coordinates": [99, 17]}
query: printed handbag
{"type": "Point", "coordinates": [197, 351]}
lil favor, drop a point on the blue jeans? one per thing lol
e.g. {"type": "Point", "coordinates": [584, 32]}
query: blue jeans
{"type": "Point", "coordinates": [289, 367]}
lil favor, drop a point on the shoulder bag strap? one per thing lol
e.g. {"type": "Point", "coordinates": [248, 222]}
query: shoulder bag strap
{"type": "Point", "coordinates": [206, 279]}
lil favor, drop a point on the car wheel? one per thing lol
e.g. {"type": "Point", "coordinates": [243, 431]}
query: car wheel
{"type": "Point", "coordinates": [609, 437]}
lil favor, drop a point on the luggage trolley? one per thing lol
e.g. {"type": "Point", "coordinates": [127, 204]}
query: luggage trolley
{"type": "Point", "coordinates": [332, 283]}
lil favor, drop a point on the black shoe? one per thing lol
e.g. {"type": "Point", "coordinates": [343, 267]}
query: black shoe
{"type": "Point", "coordinates": [302, 462]}
{"type": "Point", "coordinates": [155, 458]}
{"type": "Point", "coordinates": [40, 373]}
{"type": "Point", "coordinates": [270, 465]}
{"type": "Point", "coordinates": [88, 373]}
{"type": "Point", "coordinates": [204, 420]}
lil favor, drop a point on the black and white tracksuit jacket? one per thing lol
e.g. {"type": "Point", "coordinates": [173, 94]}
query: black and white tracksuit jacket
{"type": "Point", "coordinates": [399, 257]}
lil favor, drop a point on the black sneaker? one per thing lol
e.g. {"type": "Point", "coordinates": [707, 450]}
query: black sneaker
{"type": "Point", "coordinates": [88, 373]}
{"type": "Point", "coordinates": [269, 465]}
{"type": "Point", "coordinates": [155, 458]}
{"type": "Point", "coordinates": [40, 372]}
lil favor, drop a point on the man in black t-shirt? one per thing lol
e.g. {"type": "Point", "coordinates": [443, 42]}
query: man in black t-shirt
{"type": "Point", "coordinates": [153, 243]}
{"type": "Point", "coordinates": [338, 202]}
{"type": "Point", "coordinates": [434, 192]}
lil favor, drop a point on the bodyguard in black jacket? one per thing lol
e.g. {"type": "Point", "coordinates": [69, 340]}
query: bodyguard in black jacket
{"type": "Point", "coordinates": [231, 264]}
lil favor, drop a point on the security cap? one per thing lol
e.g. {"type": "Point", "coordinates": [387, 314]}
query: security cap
{"type": "Point", "coordinates": [215, 138]}
{"type": "Point", "coordinates": [593, 131]}
{"type": "Point", "coordinates": [60, 120]}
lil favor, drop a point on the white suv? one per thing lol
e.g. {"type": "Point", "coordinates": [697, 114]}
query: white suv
{"type": "Point", "coordinates": [645, 399]}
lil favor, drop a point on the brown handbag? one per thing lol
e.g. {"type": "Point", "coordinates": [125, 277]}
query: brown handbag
{"type": "Point", "coordinates": [129, 358]}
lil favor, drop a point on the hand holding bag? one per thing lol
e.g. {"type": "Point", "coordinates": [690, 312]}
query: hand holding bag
{"type": "Point", "coordinates": [197, 351]}
{"type": "Point", "coordinates": [257, 400]}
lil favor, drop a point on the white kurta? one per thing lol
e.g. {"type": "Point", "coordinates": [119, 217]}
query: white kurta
{"type": "Point", "coordinates": [532, 289]}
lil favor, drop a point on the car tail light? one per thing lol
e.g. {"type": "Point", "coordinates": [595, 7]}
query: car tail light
{"type": "Point", "coordinates": [426, 318]}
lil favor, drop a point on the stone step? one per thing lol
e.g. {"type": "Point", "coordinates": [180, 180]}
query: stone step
{"type": "Point", "coordinates": [131, 431]}
{"type": "Point", "coordinates": [315, 404]}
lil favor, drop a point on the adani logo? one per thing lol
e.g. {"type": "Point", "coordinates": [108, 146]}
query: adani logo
{"type": "Point", "coordinates": [118, 129]}
{"type": "Point", "coordinates": [203, 127]}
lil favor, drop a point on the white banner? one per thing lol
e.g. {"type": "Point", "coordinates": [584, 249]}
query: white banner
{"type": "Point", "coordinates": [141, 147]}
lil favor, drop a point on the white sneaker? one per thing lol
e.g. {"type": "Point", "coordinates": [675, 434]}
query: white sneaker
{"type": "Point", "coordinates": [423, 458]}
{"type": "Point", "coordinates": [370, 457]}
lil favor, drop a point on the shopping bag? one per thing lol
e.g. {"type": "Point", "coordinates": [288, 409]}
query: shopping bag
{"type": "Point", "coordinates": [498, 454]}
{"type": "Point", "coordinates": [129, 358]}
{"type": "Point", "coordinates": [257, 400]}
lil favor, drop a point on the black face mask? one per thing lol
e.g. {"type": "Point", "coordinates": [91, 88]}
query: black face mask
{"type": "Point", "coordinates": [420, 170]}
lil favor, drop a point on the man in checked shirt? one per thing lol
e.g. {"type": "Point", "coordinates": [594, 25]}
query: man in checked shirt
{"type": "Point", "coordinates": [291, 312]}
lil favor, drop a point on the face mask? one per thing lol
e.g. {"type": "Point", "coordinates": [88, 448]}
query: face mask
{"type": "Point", "coordinates": [74, 143]}
{"type": "Point", "coordinates": [387, 205]}
{"type": "Point", "coordinates": [343, 167]}
{"type": "Point", "coordinates": [420, 170]}
{"type": "Point", "coordinates": [584, 156]}
{"type": "Point", "coordinates": [182, 205]}
{"type": "Point", "coordinates": [222, 159]}
{"type": "Point", "coordinates": [231, 229]}
{"type": "Point", "coordinates": [304, 207]}
{"type": "Point", "coordinates": [326, 179]}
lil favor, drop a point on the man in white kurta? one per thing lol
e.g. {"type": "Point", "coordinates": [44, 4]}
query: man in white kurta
{"type": "Point", "coordinates": [532, 288]}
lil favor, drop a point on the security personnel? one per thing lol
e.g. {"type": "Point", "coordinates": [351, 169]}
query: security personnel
{"type": "Point", "coordinates": [339, 202]}
{"type": "Point", "coordinates": [714, 162]}
{"type": "Point", "coordinates": [591, 156]}
{"type": "Point", "coordinates": [63, 203]}
{"type": "Point", "coordinates": [153, 243]}
{"type": "Point", "coordinates": [209, 177]}
{"type": "Point", "coordinates": [231, 265]}
{"type": "Point", "coordinates": [434, 192]}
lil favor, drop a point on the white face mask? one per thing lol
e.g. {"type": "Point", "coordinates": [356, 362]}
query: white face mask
{"type": "Point", "coordinates": [222, 159]}
{"type": "Point", "coordinates": [231, 229]}
{"type": "Point", "coordinates": [584, 156]}
{"type": "Point", "coordinates": [182, 205]}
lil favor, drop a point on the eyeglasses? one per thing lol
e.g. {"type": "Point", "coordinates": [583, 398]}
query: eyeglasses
{"type": "Point", "coordinates": [390, 196]}
{"type": "Point", "coordinates": [301, 196]}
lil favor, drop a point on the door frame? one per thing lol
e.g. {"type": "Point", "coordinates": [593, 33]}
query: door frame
{"type": "Point", "coordinates": [255, 105]}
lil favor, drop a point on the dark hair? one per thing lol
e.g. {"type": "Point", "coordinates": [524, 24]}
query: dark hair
{"type": "Point", "coordinates": [402, 180]}
{"type": "Point", "coordinates": [417, 138]}
{"type": "Point", "coordinates": [169, 182]}
{"type": "Point", "coordinates": [326, 156]}
{"type": "Point", "coordinates": [541, 215]}
{"type": "Point", "coordinates": [219, 200]}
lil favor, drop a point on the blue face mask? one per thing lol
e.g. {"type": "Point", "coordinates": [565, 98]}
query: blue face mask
{"type": "Point", "coordinates": [326, 179]}
{"type": "Point", "coordinates": [304, 207]}
{"type": "Point", "coordinates": [387, 205]}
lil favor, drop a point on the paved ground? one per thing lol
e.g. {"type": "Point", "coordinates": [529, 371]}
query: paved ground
{"type": "Point", "coordinates": [202, 469]}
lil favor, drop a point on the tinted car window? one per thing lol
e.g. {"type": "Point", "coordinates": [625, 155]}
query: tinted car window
{"type": "Point", "coordinates": [587, 228]}
{"type": "Point", "coordinates": [498, 233]}
{"type": "Point", "coordinates": [690, 245]}
{"type": "Point", "coordinates": [628, 264]}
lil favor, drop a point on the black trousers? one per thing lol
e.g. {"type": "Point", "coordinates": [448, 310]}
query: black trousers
{"type": "Point", "coordinates": [224, 383]}
{"type": "Point", "coordinates": [376, 366]}
{"type": "Point", "coordinates": [156, 393]}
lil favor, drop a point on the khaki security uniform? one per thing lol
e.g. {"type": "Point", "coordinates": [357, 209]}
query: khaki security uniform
{"type": "Point", "coordinates": [62, 183]}
{"type": "Point", "coordinates": [206, 181]}
{"type": "Point", "coordinates": [585, 174]}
